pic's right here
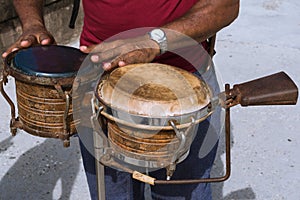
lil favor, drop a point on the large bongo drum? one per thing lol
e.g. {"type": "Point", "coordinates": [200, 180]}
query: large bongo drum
{"type": "Point", "coordinates": [151, 112]}
{"type": "Point", "coordinates": [43, 77]}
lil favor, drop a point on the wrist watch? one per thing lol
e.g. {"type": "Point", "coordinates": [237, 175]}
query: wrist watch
{"type": "Point", "coordinates": [159, 36]}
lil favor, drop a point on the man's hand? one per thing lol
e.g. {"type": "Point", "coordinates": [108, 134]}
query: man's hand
{"type": "Point", "coordinates": [119, 53]}
{"type": "Point", "coordinates": [35, 35]}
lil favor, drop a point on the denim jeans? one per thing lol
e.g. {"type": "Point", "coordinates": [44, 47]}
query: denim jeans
{"type": "Point", "coordinates": [119, 185]}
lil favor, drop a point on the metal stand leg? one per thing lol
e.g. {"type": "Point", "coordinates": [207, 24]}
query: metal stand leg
{"type": "Point", "coordinates": [99, 144]}
{"type": "Point", "coordinates": [14, 122]}
{"type": "Point", "coordinates": [100, 178]}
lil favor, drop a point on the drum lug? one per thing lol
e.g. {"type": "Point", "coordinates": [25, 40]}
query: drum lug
{"type": "Point", "coordinates": [181, 135]}
{"type": "Point", "coordinates": [97, 129]}
{"type": "Point", "coordinates": [59, 90]}
{"type": "Point", "coordinates": [65, 135]}
{"type": "Point", "coordinates": [66, 123]}
{"type": "Point", "coordinates": [170, 170]}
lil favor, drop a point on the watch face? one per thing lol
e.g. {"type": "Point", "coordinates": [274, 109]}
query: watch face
{"type": "Point", "coordinates": [157, 34]}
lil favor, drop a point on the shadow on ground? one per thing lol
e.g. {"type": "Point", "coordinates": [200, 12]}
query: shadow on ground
{"type": "Point", "coordinates": [48, 171]}
{"type": "Point", "coordinates": [218, 170]}
{"type": "Point", "coordinates": [40, 171]}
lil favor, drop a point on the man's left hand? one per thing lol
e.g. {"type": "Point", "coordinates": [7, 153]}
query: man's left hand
{"type": "Point", "coordinates": [119, 53]}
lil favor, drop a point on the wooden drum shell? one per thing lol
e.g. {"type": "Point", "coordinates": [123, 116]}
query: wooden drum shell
{"type": "Point", "coordinates": [41, 110]}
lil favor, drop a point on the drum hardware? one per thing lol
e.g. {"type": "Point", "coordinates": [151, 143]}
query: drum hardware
{"type": "Point", "coordinates": [66, 122]}
{"type": "Point", "coordinates": [43, 97]}
{"type": "Point", "coordinates": [178, 153]}
{"type": "Point", "coordinates": [104, 148]}
{"type": "Point", "coordinates": [14, 122]}
{"type": "Point", "coordinates": [276, 89]}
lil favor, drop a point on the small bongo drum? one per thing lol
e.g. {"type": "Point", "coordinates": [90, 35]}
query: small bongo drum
{"type": "Point", "coordinates": [43, 77]}
{"type": "Point", "coordinates": [150, 112]}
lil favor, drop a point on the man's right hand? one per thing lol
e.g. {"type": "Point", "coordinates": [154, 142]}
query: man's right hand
{"type": "Point", "coordinates": [32, 36]}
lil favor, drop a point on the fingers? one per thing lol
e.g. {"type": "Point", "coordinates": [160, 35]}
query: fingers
{"type": "Point", "coordinates": [45, 39]}
{"type": "Point", "coordinates": [9, 50]}
{"type": "Point", "coordinates": [100, 55]}
{"type": "Point", "coordinates": [119, 53]}
{"type": "Point", "coordinates": [30, 40]}
{"type": "Point", "coordinates": [133, 57]}
{"type": "Point", "coordinates": [110, 50]}
{"type": "Point", "coordinates": [116, 63]}
{"type": "Point", "coordinates": [129, 58]}
{"type": "Point", "coordinates": [21, 43]}
{"type": "Point", "coordinates": [95, 57]}
{"type": "Point", "coordinates": [4, 55]}
{"type": "Point", "coordinates": [26, 41]}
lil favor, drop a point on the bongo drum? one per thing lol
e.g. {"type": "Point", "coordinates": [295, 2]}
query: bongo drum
{"type": "Point", "coordinates": [147, 116]}
{"type": "Point", "coordinates": [151, 112]}
{"type": "Point", "coordinates": [43, 77]}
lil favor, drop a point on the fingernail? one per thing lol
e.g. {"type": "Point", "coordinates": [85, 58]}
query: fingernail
{"type": "Point", "coordinates": [83, 48]}
{"type": "Point", "coordinates": [106, 66]}
{"type": "Point", "coordinates": [4, 54]}
{"type": "Point", "coordinates": [24, 43]}
{"type": "Point", "coordinates": [45, 41]}
{"type": "Point", "coordinates": [95, 58]}
{"type": "Point", "coordinates": [121, 63]}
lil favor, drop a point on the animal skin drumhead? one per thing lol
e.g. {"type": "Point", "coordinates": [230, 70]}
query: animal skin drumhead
{"type": "Point", "coordinates": [153, 89]}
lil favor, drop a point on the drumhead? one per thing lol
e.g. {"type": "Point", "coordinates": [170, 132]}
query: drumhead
{"type": "Point", "coordinates": [49, 61]}
{"type": "Point", "coordinates": [153, 90]}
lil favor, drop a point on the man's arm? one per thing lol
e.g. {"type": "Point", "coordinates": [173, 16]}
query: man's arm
{"type": "Point", "coordinates": [30, 13]}
{"type": "Point", "coordinates": [203, 20]}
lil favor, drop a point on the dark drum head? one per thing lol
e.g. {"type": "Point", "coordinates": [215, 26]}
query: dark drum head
{"type": "Point", "coordinates": [51, 61]}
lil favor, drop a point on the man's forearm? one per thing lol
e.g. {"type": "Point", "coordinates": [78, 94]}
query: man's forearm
{"type": "Point", "coordinates": [204, 19]}
{"type": "Point", "coordinates": [30, 12]}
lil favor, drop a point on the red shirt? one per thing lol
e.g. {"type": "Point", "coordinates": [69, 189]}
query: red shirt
{"type": "Point", "coordinates": [105, 18]}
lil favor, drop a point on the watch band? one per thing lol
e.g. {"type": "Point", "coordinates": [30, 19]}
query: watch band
{"type": "Point", "coordinates": [159, 36]}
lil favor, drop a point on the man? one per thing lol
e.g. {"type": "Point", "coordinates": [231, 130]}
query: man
{"type": "Point", "coordinates": [197, 19]}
